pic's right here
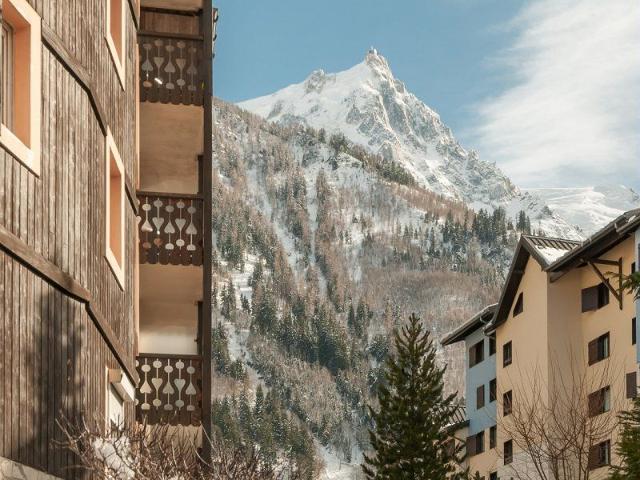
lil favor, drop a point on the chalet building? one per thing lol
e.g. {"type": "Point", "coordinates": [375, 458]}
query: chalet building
{"type": "Point", "coordinates": [105, 231]}
{"type": "Point", "coordinates": [563, 329]}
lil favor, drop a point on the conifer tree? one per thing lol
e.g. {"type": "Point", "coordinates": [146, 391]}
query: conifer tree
{"type": "Point", "coordinates": [408, 440]}
{"type": "Point", "coordinates": [628, 446]}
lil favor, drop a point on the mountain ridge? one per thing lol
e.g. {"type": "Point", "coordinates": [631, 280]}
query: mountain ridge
{"type": "Point", "coordinates": [372, 108]}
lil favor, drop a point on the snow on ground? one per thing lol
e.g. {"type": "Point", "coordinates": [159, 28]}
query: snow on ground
{"type": "Point", "coordinates": [336, 469]}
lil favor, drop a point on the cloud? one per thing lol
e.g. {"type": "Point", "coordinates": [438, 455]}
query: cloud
{"type": "Point", "coordinates": [571, 115]}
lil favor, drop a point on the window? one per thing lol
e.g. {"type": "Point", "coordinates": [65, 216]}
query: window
{"type": "Point", "coordinates": [21, 92]}
{"type": "Point", "coordinates": [476, 354]}
{"type": "Point", "coordinates": [493, 435]}
{"type": "Point", "coordinates": [633, 331]}
{"type": "Point", "coordinates": [492, 346]}
{"type": "Point", "coordinates": [633, 267]}
{"type": "Point", "coordinates": [599, 349]}
{"type": "Point", "coordinates": [480, 397]}
{"type": "Point", "coordinates": [595, 297]}
{"type": "Point", "coordinates": [493, 386]}
{"type": "Point", "coordinates": [493, 476]}
{"type": "Point", "coordinates": [600, 455]}
{"type": "Point", "coordinates": [507, 403]}
{"type": "Point", "coordinates": [119, 390]}
{"type": "Point", "coordinates": [508, 452]}
{"type": "Point", "coordinates": [600, 401]}
{"type": "Point", "coordinates": [115, 198]}
{"type": "Point", "coordinates": [116, 35]}
{"type": "Point", "coordinates": [475, 444]}
{"type": "Point", "coordinates": [7, 74]}
{"type": "Point", "coordinates": [507, 352]}
{"type": "Point", "coordinates": [632, 385]}
{"type": "Point", "coordinates": [517, 310]}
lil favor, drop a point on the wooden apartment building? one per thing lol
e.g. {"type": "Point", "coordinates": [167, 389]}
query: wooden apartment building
{"type": "Point", "coordinates": [105, 187]}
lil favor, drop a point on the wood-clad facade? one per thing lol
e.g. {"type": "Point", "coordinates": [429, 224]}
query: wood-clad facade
{"type": "Point", "coordinates": [65, 317]}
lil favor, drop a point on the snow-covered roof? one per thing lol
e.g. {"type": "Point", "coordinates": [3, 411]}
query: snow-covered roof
{"type": "Point", "coordinates": [478, 320]}
{"type": "Point", "coordinates": [550, 249]}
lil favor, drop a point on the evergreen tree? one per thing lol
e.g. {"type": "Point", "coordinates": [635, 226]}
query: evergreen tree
{"type": "Point", "coordinates": [409, 441]}
{"type": "Point", "coordinates": [628, 446]}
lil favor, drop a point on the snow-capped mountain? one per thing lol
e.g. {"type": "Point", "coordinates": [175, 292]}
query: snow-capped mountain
{"type": "Point", "coordinates": [589, 208]}
{"type": "Point", "coordinates": [372, 108]}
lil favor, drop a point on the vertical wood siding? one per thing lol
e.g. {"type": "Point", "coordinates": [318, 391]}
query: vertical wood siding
{"type": "Point", "coordinates": [53, 358]}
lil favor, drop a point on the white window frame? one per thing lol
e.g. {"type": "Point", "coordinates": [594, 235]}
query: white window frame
{"type": "Point", "coordinates": [119, 58]}
{"type": "Point", "coordinates": [112, 158]}
{"type": "Point", "coordinates": [27, 91]}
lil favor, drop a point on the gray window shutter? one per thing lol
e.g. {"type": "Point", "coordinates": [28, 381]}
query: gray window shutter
{"type": "Point", "coordinates": [594, 457]}
{"type": "Point", "coordinates": [632, 385]}
{"type": "Point", "coordinates": [590, 299]}
{"type": "Point", "coordinates": [593, 351]}
{"type": "Point", "coordinates": [471, 446]}
{"type": "Point", "coordinates": [480, 396]}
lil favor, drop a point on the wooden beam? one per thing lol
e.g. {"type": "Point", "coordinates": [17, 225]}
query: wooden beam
{"type": "Point", "coordinates": [51, 273]}
{"type": "Point", "coordinates": [58, 48]}
{"type": "Point", "coordinates": [616, 293]}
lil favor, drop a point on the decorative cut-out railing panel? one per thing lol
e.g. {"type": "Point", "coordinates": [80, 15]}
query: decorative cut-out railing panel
{"type": "Point", "coordinates": [170, 228]}
{"type": "Point", "coordinates": [170, 389]}
{"type": "Point", "coordinates": [171, 68]}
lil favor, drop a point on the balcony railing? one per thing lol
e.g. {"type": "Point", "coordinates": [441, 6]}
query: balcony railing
{"type": "Point", "coordinates": [171, 68]}
{"type": "Point", "coordinates": [170, 228]}
{"type": "Point", "coordinates": [170, 389]}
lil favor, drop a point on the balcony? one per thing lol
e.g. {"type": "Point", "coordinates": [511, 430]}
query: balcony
{"type": "Point", "coordinates": [170, 389]}
{"type": "Point", "coordinates": [171, 68]}
{"type": "Point", "coordinates": [170, 228]}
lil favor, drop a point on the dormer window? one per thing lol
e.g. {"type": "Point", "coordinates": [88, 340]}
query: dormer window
{"type": "Point", "coordinates": [519, 307]}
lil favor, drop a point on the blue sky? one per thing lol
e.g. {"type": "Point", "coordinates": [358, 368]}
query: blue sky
{"type": "Point", "coordinates": [437, 47]}
{"type": "Point", "coordinates": [545, 88]}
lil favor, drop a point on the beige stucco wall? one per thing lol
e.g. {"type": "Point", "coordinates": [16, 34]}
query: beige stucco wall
{"type": "Point", "coordinates": [552, 335]}
{"type": "Point", "coordinates": [169, 296]}
{"type": "Point", "coordinates": [528, 334]}
{"type": "Point", "coordinates": [577, 329]}
{"type": "Point", "coordinates": [173, 139]}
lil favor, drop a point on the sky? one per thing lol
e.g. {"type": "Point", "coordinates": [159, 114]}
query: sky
{"type": "Point", "coordinates": [547, 89]}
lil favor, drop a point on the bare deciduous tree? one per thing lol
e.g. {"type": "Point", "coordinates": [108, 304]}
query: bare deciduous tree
{"type": "Point", "coordinates": [554, 424]}
{"type": "Point", "coordinates": [161, 452]}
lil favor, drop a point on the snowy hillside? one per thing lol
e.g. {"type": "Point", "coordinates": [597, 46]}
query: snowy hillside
{"type": "Point", "coordinates": [589, 208]}
{"type": "Point", "coordinates": [372, 108]}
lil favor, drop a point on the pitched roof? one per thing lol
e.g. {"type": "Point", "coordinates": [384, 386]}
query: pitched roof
{"type": "Point", "coordinates": [479, 320]}
{"type": "Point", "coordinates": [601, 241]}
{"type": "Point", "coordinates": [544, 250]}
{"type": "Point", "coordinates": [558, 255]}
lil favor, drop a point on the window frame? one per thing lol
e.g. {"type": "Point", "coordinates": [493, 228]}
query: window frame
{"type": "Point", "coordinates": [507, 458]}
{"type": "Point", "coordinates": [480, 397]}
{"type": "Point", "coordinates": [518, 307]}
{"type": "Point", "coordinates": [22, 138]}
{"type": "Point", "coordinates": [507, 403]}
{"type": "Point", "coordinates": [599, 402]}
{"type": "Point", "coordinates": [493, 390]}
{"type": "Point", "coordinates": [493, 437]}
{"type": "Point", "coordinates": [634, 331]}
{"type": "Point", "coordinates": [506, 361]}
{"type": "Point", "coordinates": [116, 262]}
{"type": "Point", "coordinates": [473, 353]}
{"type": "Point", "coordinates": [118, 57]}
{"type": "Point", "coordinates": [599, 349]}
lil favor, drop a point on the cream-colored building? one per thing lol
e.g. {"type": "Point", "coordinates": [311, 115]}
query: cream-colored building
{"type": "Point", "coordinates": [566, 355]}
